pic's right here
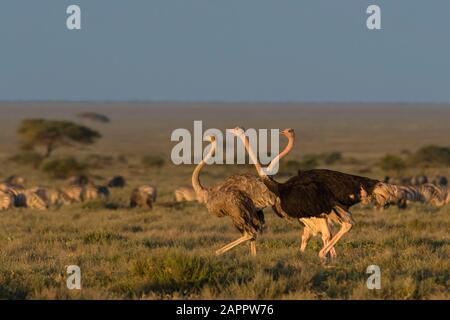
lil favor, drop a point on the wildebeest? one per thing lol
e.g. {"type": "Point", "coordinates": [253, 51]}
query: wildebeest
{"type": "Point", "coordinates": [143, 196]}
{"type": "Point", "coordinates": [117, 182]}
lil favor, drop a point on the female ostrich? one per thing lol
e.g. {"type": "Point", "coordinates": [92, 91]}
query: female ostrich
{"type": "Point", "coordinates": [227, 200]}
{"type": "Point", "coordinates": [301, 197]}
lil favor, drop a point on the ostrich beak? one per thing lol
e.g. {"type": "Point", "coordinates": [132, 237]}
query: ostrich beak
{"type": "Point", "coordinates": [211, 138]}
{"type": "Point", "coordinates": [287, 132]}
{"type": "Point", "coordinates": [238, 131]}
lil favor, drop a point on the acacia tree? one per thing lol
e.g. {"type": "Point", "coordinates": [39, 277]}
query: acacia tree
{"type": "Point", "coordinates": [52, 134]}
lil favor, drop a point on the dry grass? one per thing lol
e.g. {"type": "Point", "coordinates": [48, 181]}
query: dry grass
{"type": "Point", "coordinates": [168, 253]}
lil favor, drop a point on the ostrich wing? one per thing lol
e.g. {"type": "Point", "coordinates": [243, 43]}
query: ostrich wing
{"type": "Point", "coordinates": [305, 199]}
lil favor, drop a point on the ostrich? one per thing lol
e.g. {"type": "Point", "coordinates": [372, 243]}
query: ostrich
{"type": "Point", "coordinates": [262, 197]}
{"type": "Point", "coordinates": [253, 188]}
{"type": "Point", "coordinates": [227, 200]}
{"type": "Point", "coordinates": [185, 194]}
{"type": "Point", "coordinates": [302, 197]}
{"type": "Point", "coordinates": [143, 196]}
{"type": "Point", "coordinates": [347, 189]}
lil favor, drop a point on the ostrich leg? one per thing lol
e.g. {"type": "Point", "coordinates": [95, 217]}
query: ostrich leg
{"type": "Point", "coordinates": [233, 244]}
{"type": "Point", "coordinates": [326, 236]}
{"type": "Point", "coordinates": [345, 227]}
{"type": "Point", "coordinates": [305, 238]}
{"type": "Point", "coordinates": [320, 225]}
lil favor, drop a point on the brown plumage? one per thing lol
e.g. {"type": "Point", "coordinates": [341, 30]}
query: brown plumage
{"type": "Point", "coordinates": [227, 200]}
{"type": "Point", "coordinates": [143, 196]}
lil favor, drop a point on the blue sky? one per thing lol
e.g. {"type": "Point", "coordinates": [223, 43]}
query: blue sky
{"type": "Point", "coordinates": [233, 50]}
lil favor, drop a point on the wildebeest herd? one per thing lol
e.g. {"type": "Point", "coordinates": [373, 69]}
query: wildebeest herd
{"type": "Point", "coordinates": [13, 193]}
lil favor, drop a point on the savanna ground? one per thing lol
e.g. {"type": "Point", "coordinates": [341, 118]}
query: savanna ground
{"type": "Point", "coordinates": [169, 252]}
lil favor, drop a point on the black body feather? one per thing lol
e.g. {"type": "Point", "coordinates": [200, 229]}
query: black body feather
{"type": "Point", "coordinates": [344, 187]}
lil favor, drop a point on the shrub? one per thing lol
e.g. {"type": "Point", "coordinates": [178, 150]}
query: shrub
{"type": "Point", "coordinates": [30, 158]}
{"type": "Point", "coordinates": [63, 168]}
{"type": "Point", "coordinates": [98, 161]}
{"type": "Point", "coordinates": [94, 116]}
{"type": "Point", "coordinates": [292, 164]}
{"type": "Point", "coordinates": [430, 156]}
{"type": "Point", "coordinates": [309, 162]}
{"type": "Point", "coordinates": [332, 157]}
{"type": "Point", "coordinates": [52, 134]}
{"type": "Point", "coordinates": [392, 163]}
{"type": "Point", "coordinates": [153, 161]}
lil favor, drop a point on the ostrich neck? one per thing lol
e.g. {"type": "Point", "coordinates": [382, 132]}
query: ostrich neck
{"type": "Point", "coordinates": [280, 156]}
{"type": "Point", "coordinates": [200, 191]}
{"type": "Point", "coordinates": [270, 183]}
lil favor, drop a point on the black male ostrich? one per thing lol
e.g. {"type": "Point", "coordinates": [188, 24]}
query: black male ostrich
{"type": "Point", "coordinates": [347, 189]}
{"type": "Point", "coordinates": [310, 195]}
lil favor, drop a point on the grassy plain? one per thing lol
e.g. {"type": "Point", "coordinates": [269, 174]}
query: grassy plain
{"type": "Point", "coordinates": [168, 252]}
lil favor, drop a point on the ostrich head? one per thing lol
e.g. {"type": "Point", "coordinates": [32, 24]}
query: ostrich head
{"type": "Point", "coordinates": [210, 138]}
{"type": "Point", "coordinates": [288, 132]}
{"type": "Point", "coordinates": [238, 131]}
